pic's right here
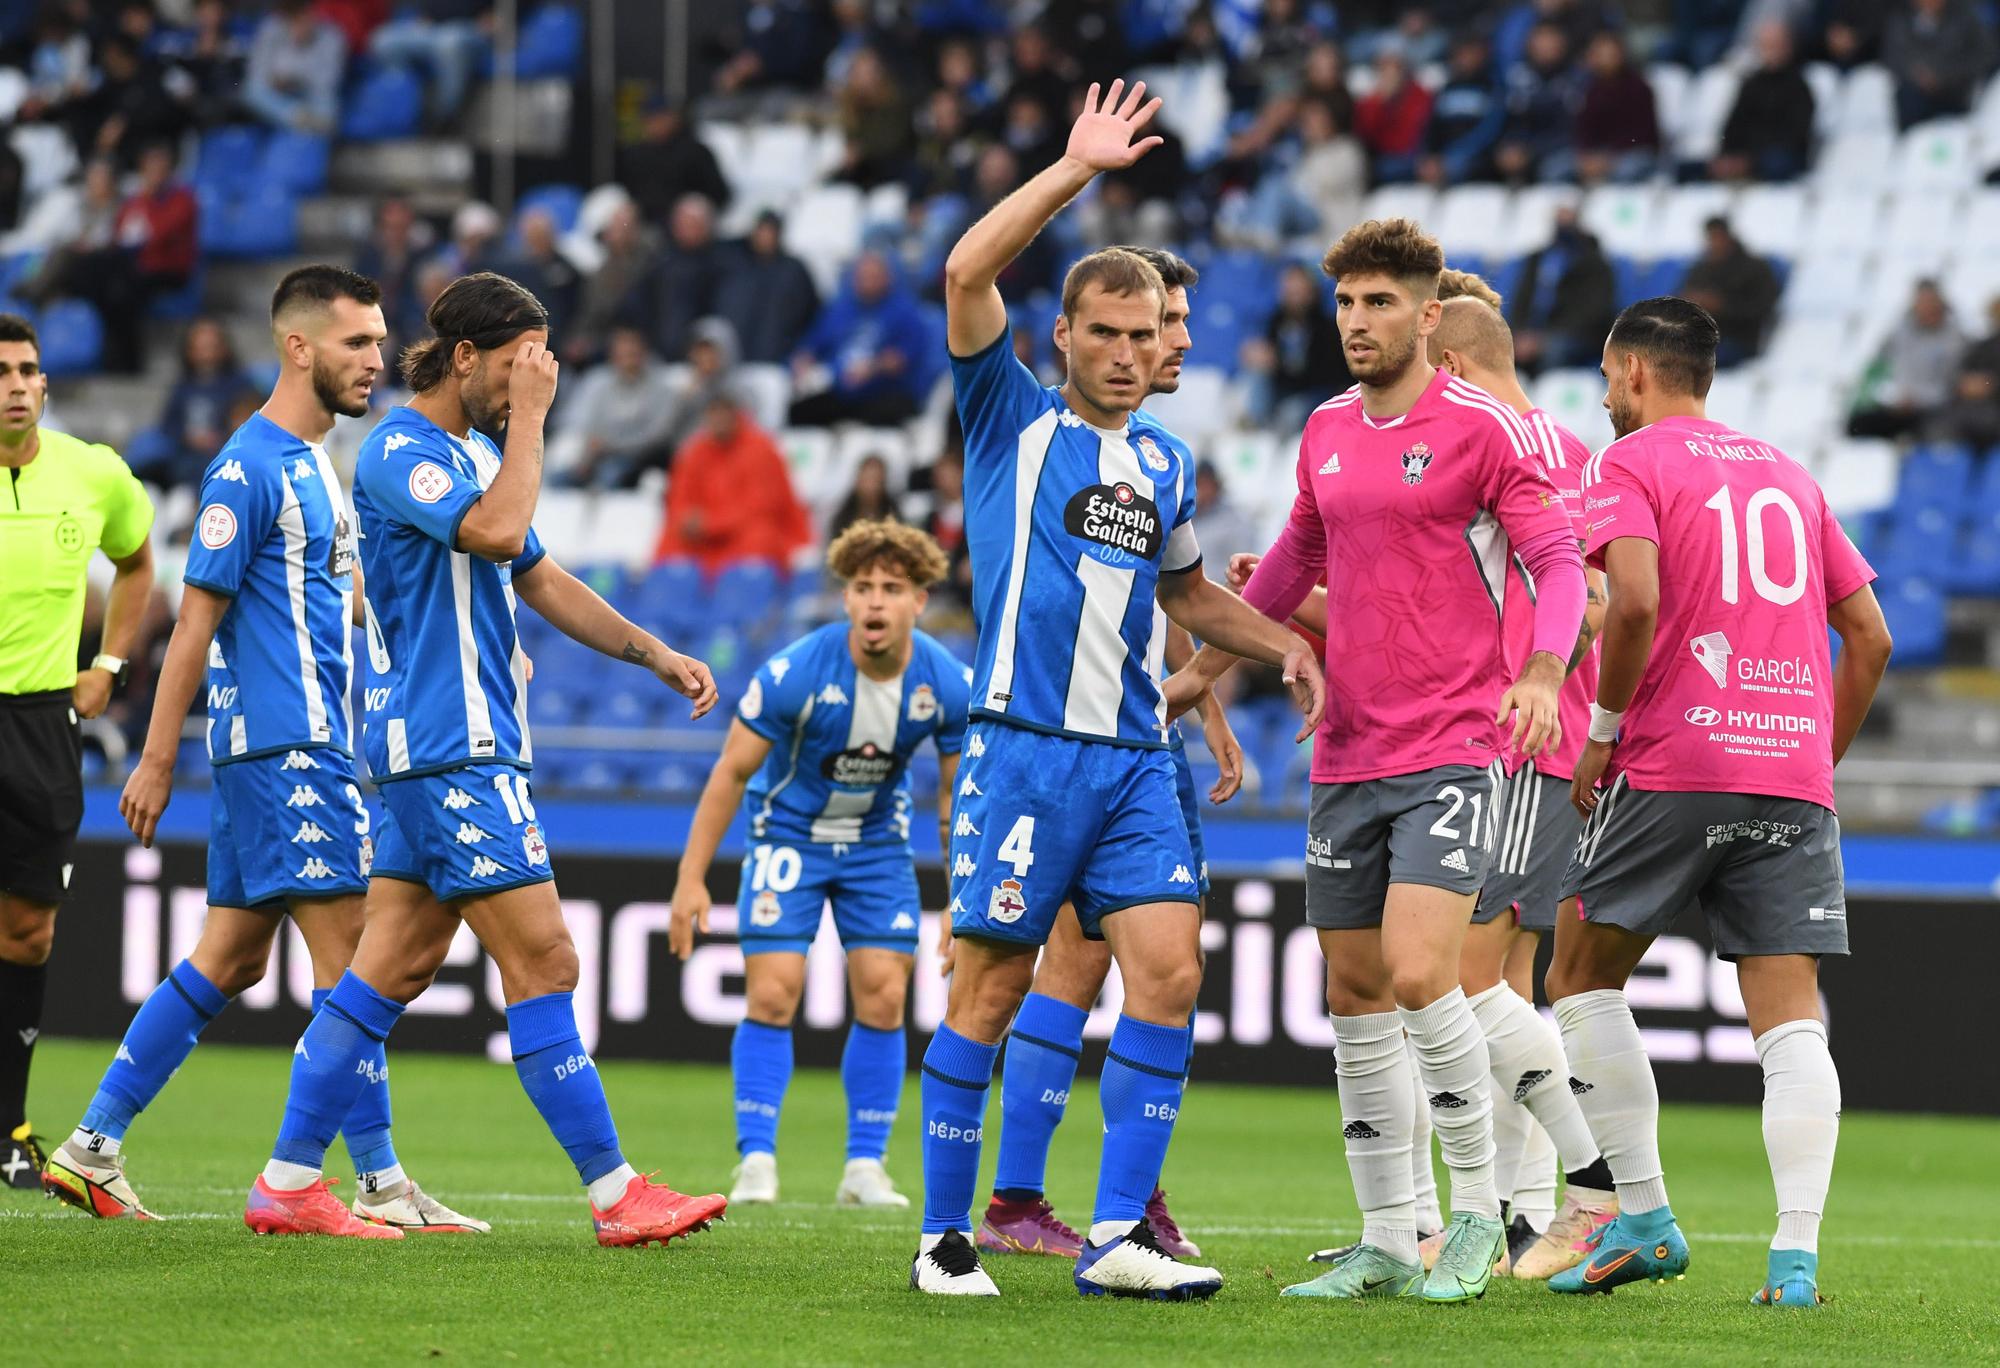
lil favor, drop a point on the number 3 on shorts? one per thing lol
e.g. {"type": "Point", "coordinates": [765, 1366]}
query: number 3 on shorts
{"type": "Point", "coordinates": [1018, 849]}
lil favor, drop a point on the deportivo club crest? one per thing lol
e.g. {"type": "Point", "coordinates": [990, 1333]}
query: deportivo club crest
{"type": "Point", "coordinates": [1150, 452]}
{"type": "Point", "coordinates": [1415, 462]}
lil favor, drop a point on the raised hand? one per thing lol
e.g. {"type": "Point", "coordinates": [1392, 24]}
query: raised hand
{"type": "Point", "coordinates": [1102, 137]}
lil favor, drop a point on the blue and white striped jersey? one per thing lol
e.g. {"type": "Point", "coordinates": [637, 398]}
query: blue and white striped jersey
{"type": "Point", "coordinates": [841, 742]}
{"type": "Point", "coordinates": [1069, 528]}
{"type": "Point", "coordinates": [275, 535]}
{"type": "Point", "coordinates": [447, 684]}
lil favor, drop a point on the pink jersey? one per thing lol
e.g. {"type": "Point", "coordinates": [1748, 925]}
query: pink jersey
{"type": "Point", "coordinates": [1737, 696]}
{"type": "Point", "coordinates": [1562, 454]}
{"type": "Point", "coordinates": [1410, 519]}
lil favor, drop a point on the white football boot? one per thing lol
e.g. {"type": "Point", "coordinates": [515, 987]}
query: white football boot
{"type": "Point", "coordinates": [866, 1184]}
{"type": "Point", "coordinates": [756, 1179]}
{"type": "Point", "coordinates": [948, 1266]}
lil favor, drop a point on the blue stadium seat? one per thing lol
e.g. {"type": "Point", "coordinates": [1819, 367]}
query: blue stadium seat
{"type": "Point", "coordinates": [671, 596]}
{"type": "Point", "coordinates": [1938, 474]}
{"type": "Point", "coordinates": [72, 338]}
{"type": "Point", "coordinates": [549, 705]}
{"type": "Point", "coordinates": [745, 592]}
{"type": "Point", "coordinates": [387, 103]}
{"type": "Point", "coordinates": [562, 202]}
{"type": "Point", "coordinates": [297, 161]}
{"type": "Point", "coordinates": [672, 775]}
{"type": "Point", "coordinates": [149, 447]}
{"type": "Point", "coordinates": [264, 223]}
{"type": "Point", "coordinates": [182, 304]}
{"type": "Point", "coordinates": [1916, 614]}
{"type": "Point", "coordinates": [231, 157]}
{"type": "Point", "coordinates": [551, 44]}
{"type": "Point", "coordinates": [1976, 568]}
{"type": "Point", "coordinates": [14, 269]}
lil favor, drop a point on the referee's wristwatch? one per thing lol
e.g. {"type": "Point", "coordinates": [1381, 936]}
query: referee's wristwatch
{"type": "Point", "coordinates": [117, 667]}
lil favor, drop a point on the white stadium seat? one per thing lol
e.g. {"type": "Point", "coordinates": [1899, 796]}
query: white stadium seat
{"type": "Point", "coordinates": [1410, 201]}
{"type": "Point", "coordinates": [1827, 288]}
{"type": "Point", "coordinates": [1683, 210]}
{"type": "Point", "coordinates": [1472, 221]}
{"type": "Point", "coordinates": [1855, 163]}
{"type": "Point", "coordinates": [1533, 220]}
{"type": "Point", "coordinates": [1825, 80]}
{"type": "Point", "coordinates": [1671, 85]}
{"type": "Point", "coordinates": [823, 229]}
{"type": "Point", "coordinates": [1859, 476]}
{"type": "Point", "coordinates": [1622, 217]}
{"type": "Point", "coordinates": [1710, 99]}
{"type": "Point", "coordinates": [560, 521]}
{"type": "Point", "coordinates": [1200, 408]}
{"type": "Point", "coordinates": [767, 391]}
{"type": "Point", "coordinates": [1812, 349]}
{"type": "Point", "coordinates": [1735, 398]}
{"type": "Point", "coordinates": [1924, 223]}
{"type": "Point", "coordinates": [1936, 156]}
{"type": "Point", "coordinates": [1770, 219]}
{"type": "Point", "coordinates": [624, 528]}
{"type": "Point", "coordinates": [855, 444]}
{"type": "Point", "coordinates": [809, 457]}
{"type": "Point", "coordinates": [1867, 102]}
{"type": "Point", "coordinates": [1843, 222]}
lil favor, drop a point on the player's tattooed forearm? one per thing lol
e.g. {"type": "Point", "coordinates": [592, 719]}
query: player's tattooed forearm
{"type": "Point", "coordinates": [636, 653]}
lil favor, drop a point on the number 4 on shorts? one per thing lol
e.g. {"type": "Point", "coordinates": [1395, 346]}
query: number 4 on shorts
{"type": "Point", "coordinates": [1018, 849]}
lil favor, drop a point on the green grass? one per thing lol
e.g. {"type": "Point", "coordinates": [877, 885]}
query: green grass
{"type": "Point", "coordinates": [1256, 1174]}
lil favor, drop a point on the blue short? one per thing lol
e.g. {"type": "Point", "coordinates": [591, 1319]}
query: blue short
{"type": "Point", "coordinates": [1184, 789]}
{"type": "Point", "coordinates": [1039, 820]}
{"type": "Point", "coordinates": [286, 825]}
{"type": "Point", "coordinates": [873, 889]}
{"type": "Point", "coordinates": [464, 833]}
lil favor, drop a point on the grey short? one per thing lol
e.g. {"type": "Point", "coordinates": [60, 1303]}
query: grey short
{"type": "Point", "coordinates": [1765, 871]}
{"type": "Point", "coordinates": [1433, 827]}
{"type": "Point", "coordinates": [1537, 836]}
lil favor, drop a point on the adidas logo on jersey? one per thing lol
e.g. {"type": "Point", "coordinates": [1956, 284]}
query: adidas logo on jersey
{"type": "Point", "coordinates": [315, 868]}
{"type": "Point", "coordinates": [483, 868]}
{"type": "Point", "coordinates": [962, 867]}
{"type": "Point", "coordinates": [299, 760]}
{"type": "Point", "coordinates": [904, 922]}
{"type": "Point", "coordinates": [964, 827]}
{"type": "Point", "coordinates": [975, 746]}
{"type": "Point", "coordinates": [1456, 861]}
{"type": "Point", "coordinates": [1180, 875]}
{"type": "Point", "coordinates": [303, 470]}
{"type": "Point", "coordinates": [232, 470]}
{"type": "Point", "coordinates": [458, 800]}
{"type": "Point", "coordinates": [468, 834]}
{"type": "Point", "coordinates": [1332, 465]}
{"type": "Point", "coordinates": [1360, 1130]}
{"type": "Point", "coordinates": [310, 833]}
{"type": "Point", "coordinates": [833, 696]}
{"type": "Point", "coordinates": [1530, 1081]}
{"type": "Point", "coordinates": [303, 797]}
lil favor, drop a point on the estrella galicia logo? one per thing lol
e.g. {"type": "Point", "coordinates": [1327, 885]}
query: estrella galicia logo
{"type": "Point", "coordinates": [1117, 518]}
{"type": "Point", "coordinates": [865, 766]}
{"type": "Point", "coordinates": [1415, 462]}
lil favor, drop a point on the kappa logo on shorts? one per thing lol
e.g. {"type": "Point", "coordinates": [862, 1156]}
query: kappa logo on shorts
{"type": "Point", "coordinates": [903, 922]}
{"type": "Point", "coordinates": [1007, 905]}
{"type": "Point", "coordinates": [968, 789]}
{"type": "Point", "coordinates": [299, 760]}
{"type": "Point", "coordinates": [1456, 862]}
{"type": "Point", "coordinates": [923, 703]}
{"type": "Point", "coordinates": [315, 868]}
{"type": "Point", "coordinates": [468, 834]}
{"type": "Point", "coordinates": [962, 867]}
{"type": "Point", "coordinates": [534, 847]}
{"type": "Point", "coordinates": [310, 833]}
{"type": "Point", "coordinates": [304, 797]}
{"type": "Point", "coordinates": [483, 868]}
{"type": "Point", "coordinates": [458, 800]}
{"type": "Point", "coordinates": [766, 909]}
{"type": "Point", "coordinates": [1180, 875]}
{"type": "Point", "coordinates": [964, 826]}
{"type": "Point", "coordinates": [975, 746]}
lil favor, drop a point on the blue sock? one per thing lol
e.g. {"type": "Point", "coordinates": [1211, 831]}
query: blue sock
{"type": "Point", "coordinates": [328, 1070]}
{"type": "Point", "coordinates": [1188, 1072]}
{"type": "Point", "coordinates": [1141, 1094]}
{"type": "Point", "coordinates": [760, 1060]}
{"type": "Point", "coordinates": [161, 1037]}
{"type": "Point", "coordinates": [1042, 1051]}
{"type": "Point", "coordinates": [957, 1074]}
{"type": "Point", "coordinates": [561, 1080]}
{"type": "Point", "coordinates": [366, 1128]}
{"type": "Point", "coordinates": [871, 1070]}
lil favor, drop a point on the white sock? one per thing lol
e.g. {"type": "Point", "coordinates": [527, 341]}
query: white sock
{"type": "Point", "coordinates": [605, 1191]}
{"type": "Point", "coordinates": [1423, 1173]}
{"type": "Point", "coordinates": [289, 1177]}
{"type": "Point", "coordinates": [927, 1241]}
{"type": "Point", "coordinates": [1376, 1106]}
{"type": "Point", "coordinates": [1451, 1057]}
{"type": "Point", "coordinates": [1801, 1126]}
{"type": "Point", "coordinates": [96, 1144]}
{"type": "Point", "coordinates": [1529, 1068]}
{"type": "Point", "coordinates": [1535, 1178]}
{"type": "Point", "coordinates": [1621, 1101]}
{"type": "Point", "coordinates": [1103, 1232]}
{"type": "Point", "coordinates": [381, 1183]}
{"type": "Point", "coordinates": [1510, 1138]}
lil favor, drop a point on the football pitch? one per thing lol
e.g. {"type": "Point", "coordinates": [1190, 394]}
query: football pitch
{"type": "Point", "coordinates": [1910, 1258]}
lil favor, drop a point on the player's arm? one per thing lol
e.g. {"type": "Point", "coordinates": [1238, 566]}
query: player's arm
{"type": "Point", "coordinates": [1594, 594]}
{"type": "Point", "coordinates": [1864, 655]}
{"type": "Point", "coordinates": [1215, 728]}
{"type": "Point", "coordinates": [124, 610]}
{"type": "Point", "coordinates": [495, 528]}
{"type": "Point", "coordinates": [580, 614]}
{"type": "Point", "coordinates": [1632, 571]}
{"type": "Point", "coordinates": [742, 755]}
{"type": "Point", "coordinates": [1537, 522]}
{"type": "Point", "coordinates": [1234, 629]}
{"type": "Point", "coordinates": [1100, 140]}
{"type": "Point", "coordinates": [1310, 614]}
{"type": "Point", "coordinates": [152, 781]}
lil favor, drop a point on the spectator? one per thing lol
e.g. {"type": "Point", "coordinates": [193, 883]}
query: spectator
{"type": "Point", "coordinates": [958, 73]}
{"type": "Point", "coordinates": [729, 497]}
{"type": "Point", "coordinates": [776, 43]}
{"type": "Point", "coordinates": [1939, 51]}
{"type": "Point", "coordinates": [195, 422]}
{"type": "Point", "coordinates": [942, 161]}
{"type": "Point", "coordinates": [868, 498]}
{"type": "Point", "coordinates": [1138, 203]}
{"type": "Point", "coordinates": [1769, 133]}
{"type": "Point", "coordinates": [630, 256]}
{"type": "Point", "coordinates": [1331, 177]}
{"type": "Point", "coordinates": [1542, 99]}
{"type": "Point", "coordinates": [356, 19]}
{"type": "Point", "coordinates": [869, 340]}
{"type": "Point", "coordinates": [58, 63]}
{"type": "Point", "coordinates": [389, 258]}
{"type": "Point", "coordinates": [1914, 372]}
{"type": "Point", "coordinates": [1228, 526]}
{"type": "Point", "coordinates": [1036, 76]}
{"type": "Point", "coordinates": [1566, 301]}
{"type": "Point", "coordinates": [447, 38]}
{"type": "Point", "coordinates": [474, 229]}
{"type": "Point", "coordinates": [1298, 363]}
{"type": "Point", "coordinates": [130, 104]}
{"type": "Point", "coordinates": [620, 420]}
{"type": "Point", "coordinates": [951, 601]}
{"type": "Point", "coordinates": [686, 281]}
{"type": "Point", "coordinates": [1737, 287]}
{"type": "Point", "coordinates": [1972, 414]}
{"type": "Point", "coordinates": [1617, 127]}
{"type": "Point", "coordinates": [292, 78]}
{"type": "Point", "coordinates": [875, 121]}
{"type": "Point", "coordinates": [669, 163]}
{"type": "Point", "coordinates": [210, 57]}
{"type": "Point", "coordinates": [158, 224]}
{"type": "Point", "coordinates": [1852, 35]}
{"type": "Point", "coordinates": [1030, 134]}
{"type": "Point", "coordinates": [713, 354]}
{"type": "Point", "coordinates": [540, 265]}
{"type": "Point", "coordinates": [1466, 118]}
{"type": "Point", "coordinates": [768, 295]}
{"type": "Point", "coordinates": [1390, 119]}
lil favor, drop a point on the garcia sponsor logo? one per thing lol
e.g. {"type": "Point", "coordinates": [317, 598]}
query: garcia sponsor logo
{"type": "Point", "coordinates": [1118, 518]}
{"type": "Point", "coordinates": [1712, 650]}
{"type": "Point", "coordinates": [866, 766]}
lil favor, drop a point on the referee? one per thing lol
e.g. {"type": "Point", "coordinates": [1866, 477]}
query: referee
{"type": "Point", "coordinates": [60, 500]}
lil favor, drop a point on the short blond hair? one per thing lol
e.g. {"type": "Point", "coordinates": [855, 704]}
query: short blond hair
{"type": "Point", "coordinates": [1114, 270]}
{"type": "Point", "coordinates": [1455, 284]}
{"type": "Point", "coordinates": [911, 553]}
{"type": "Point", "coordinates": [1397, 247]}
